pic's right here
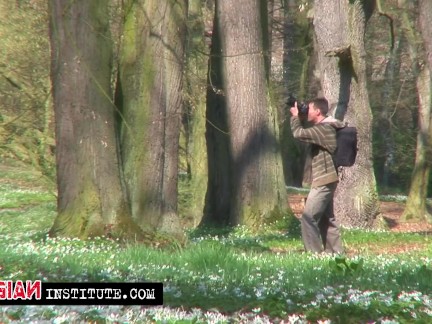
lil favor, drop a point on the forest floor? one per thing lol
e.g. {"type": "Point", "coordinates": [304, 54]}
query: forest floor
{"type": "Point", "coordinates": [391, 212]}
{"type": "Point", "coordinates": [17, 176]}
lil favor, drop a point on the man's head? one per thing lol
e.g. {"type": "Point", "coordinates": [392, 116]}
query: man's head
{"type": "Point", "coordinates": [318, 109]}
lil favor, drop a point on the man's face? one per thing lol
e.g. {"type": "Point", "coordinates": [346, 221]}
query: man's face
{"type": "Point", "coordinates": [313, 114]}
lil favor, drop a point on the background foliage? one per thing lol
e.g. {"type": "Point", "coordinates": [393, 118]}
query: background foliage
{"type": "Point", "coordinates": [26, 114]}
{"type": "Point", "coordinates": [26, 129]}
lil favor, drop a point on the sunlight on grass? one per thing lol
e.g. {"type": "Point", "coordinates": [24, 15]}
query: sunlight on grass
{"type": "Point", "coordinates": [212, 273]}
{"type": "Point", "coordinates": [224, 276]}
{"type": "Point", "coordinates": [22, 198]}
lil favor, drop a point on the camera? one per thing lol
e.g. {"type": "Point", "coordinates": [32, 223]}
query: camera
{"type": "Point", "coordinates": [303, 108]}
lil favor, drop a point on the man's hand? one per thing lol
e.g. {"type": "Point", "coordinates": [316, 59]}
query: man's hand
{"type": "Point", "coordinates": [294, 110]}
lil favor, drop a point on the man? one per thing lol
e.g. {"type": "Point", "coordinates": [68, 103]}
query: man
{"type": "Point", "coordinates": [320, 233]}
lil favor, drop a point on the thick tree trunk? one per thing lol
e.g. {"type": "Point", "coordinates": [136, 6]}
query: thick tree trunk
{"type": "Point", "coordinates": [416, 208]}
{"type": "Point", "coordinates": [245, 178]}
{"type": "Point", "coordinates": [340, 27]}
{"type": "Point", "coordinates": [194, 186]}
{"type": "Point", "coordinates": [150, 97]}
{"type": "Point", "coordinates": [90, 198]}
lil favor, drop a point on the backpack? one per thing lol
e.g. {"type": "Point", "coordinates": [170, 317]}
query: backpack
{"type": "Point", "coordinates": [346, 151]}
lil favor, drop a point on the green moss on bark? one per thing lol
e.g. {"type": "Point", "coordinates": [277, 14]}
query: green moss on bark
{"type": "Point", "coordinates": [82, 218]}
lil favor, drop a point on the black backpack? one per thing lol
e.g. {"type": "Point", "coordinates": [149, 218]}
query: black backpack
{"type": "Point", "coordinates": [346, 151]}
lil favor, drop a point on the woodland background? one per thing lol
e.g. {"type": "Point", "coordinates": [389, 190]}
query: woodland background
{"type": "Point", "coordinates": [171, 114]}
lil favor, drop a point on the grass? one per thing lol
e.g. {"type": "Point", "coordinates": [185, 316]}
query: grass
{"type": "Point", "coordinates": [231, 276]}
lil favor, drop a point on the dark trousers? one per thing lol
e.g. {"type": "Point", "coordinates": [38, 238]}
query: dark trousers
{"type": "Point", "coordinates": [320, 231]}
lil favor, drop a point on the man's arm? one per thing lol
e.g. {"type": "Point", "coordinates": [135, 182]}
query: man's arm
{"type": "Point", "coordinates": [318, 134]}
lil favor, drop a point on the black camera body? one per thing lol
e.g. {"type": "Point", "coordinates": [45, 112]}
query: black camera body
{"type": "Point", "coordinates": [303, 108]}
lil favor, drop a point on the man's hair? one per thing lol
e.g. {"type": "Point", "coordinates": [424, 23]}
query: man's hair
{"type": "Point", "coordinates": [321, 104]}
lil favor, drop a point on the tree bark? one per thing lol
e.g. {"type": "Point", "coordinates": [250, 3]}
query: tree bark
{"type": "Point", "coordinates": [90, 198]}
{"type": "Point", "coordinates": [245, 178]}
{"type": "Point", "coordinates": [416, 207]}
{"type": "Point", "coordinates": [194, 152]}
{"type": "Point", "coordinates": [340, 27]}
{"type": "Point", "coordinates": [150, 99]}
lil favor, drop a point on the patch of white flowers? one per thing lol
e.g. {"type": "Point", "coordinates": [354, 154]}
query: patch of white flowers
{"type": "Point", "coordinates": [264, 277]}
{"type": "Point", "coordinates": [129, 314]}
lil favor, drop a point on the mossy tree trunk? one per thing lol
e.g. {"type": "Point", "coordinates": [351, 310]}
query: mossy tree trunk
{"type": "Point", "coordinates": [90, 198]}
{"type": "Point", "coordinates": [340, 27]}
{"type": "Point", "coordinates": [193, 154]}
{"type": "Point", "coordinates": [149, 95]}
{"type": "Point", "coordinates": [416, 208]}
{"type": "Point", "coordinates": [245, 180]}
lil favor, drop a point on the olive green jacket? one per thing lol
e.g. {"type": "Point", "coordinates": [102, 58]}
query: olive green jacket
{"type": "Point", "coordinates": [322, 136]}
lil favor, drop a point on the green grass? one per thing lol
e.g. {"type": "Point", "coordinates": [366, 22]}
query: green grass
{"type": "Point", "coordinates": [224, 276]}
{"type": "Point", "coordinates": [22, 198]}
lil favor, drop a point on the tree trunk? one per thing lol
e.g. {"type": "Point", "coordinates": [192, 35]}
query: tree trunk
{"type": "Point", "coordinates": [296, 81]}
{"type": "Point", "coordinates": [245, 179]}
{"type": "Point", "coordinates": [340, 27]}
{"type": "Point", "coordinates": [390, 90]}
{"type": "Point", "coordinates": [192, 192]}
{"type": "Point", "coordinates": [90, 198]}
{"type": "Point", "coordinates": [416, 208]}
{"type": "Point", "coordinates": [150, 97]}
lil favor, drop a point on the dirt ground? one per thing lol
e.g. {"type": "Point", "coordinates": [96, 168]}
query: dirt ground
{"type": "Point", "coordinates": [391, 212]}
